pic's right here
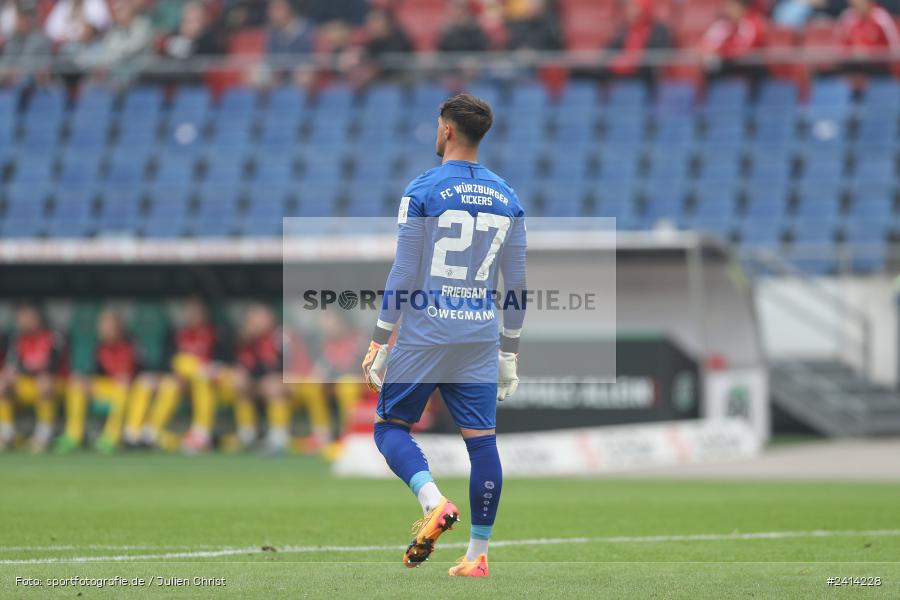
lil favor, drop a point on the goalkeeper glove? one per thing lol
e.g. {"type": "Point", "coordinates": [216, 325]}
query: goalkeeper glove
{"type": "Point", "coordinates": [507, 379]}
{"type": "Point", "coordinates": [373, 364]}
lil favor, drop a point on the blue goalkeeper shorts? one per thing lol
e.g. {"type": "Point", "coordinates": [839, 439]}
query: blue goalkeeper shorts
{"type": "Point", "coordinates": [465, 374]}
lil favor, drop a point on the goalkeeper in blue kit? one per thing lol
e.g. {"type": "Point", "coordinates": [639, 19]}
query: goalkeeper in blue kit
{"type": "Point", "coordinates": [460, 228]}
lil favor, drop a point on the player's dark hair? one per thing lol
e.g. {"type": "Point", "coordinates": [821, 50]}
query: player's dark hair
{"type": "Point", "coordinates": [472, 116]}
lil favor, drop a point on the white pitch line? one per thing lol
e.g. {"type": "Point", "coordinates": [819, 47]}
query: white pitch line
{"type": "Point", "coordinates": [699, 537]}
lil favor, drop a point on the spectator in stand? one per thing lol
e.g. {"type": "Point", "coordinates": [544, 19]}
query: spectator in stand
{"type": "Point", "coordinates": [538, 28]}
{"type": "Point", "coordinates": [166, 15]}
{"type": "Point", "coordinates": [797, 13]}
{"type": "Point", "coordinates": [867, 29]}
{"type": "Point", "coordinates": [196, 34]}
{"type": "Point", "coordinates": [384, 35]}
{"type": "Point", "coordinates": [640, 32]}
{"type": "Point", "coordinates": [462, 33]}
{"type": "Point", "coordinates": [288, 32]}
{"type": "Point", "coordinates": [352, 12]}
{"type": "Point", "coordinates": [27, 43]}
{"type": "Point", "coordinates": [8, 11]}
{"type": "Point", "coordinates": [119, 51]}
{"type": "Point", "coordinates": [734, 37]}
{"type": "Point", "coordinates": [34, 371]}
{"type": "Point", "coordinates": [74, 21]}
{"type": "Point", "coordinates": [241, 14]}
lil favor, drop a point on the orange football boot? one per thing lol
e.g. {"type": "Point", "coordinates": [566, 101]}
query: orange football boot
{"type": "Point", "coordinates": [427, 531]}
{"type": "Point", "coordinates": [474, 568]}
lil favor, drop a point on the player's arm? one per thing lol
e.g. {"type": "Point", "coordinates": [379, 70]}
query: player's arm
{"type": "Point", "coordinates": [512, 267]}
{"type": "Point", "coordinates": [400, 284]}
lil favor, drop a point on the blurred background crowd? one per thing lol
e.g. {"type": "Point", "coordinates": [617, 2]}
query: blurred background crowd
{"type": "Point", "coordinates": [365, 39]}
{"type": "Point", "coordinates": [182, 375]}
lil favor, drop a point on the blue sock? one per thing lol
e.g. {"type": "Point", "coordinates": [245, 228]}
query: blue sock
{"type": "Point", "coordinates": [403, 455]}
{"type": "Point", "coordinates": [485, 483]}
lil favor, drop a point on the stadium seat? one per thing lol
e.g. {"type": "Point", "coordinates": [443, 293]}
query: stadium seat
{"type": "Point", "coordinates": [830, 100]}
{"type": "Point", "coordinates": [120, 211]}
{"type": "Point", "coordinates": [150, 325]}
{"type": "Point", "coordinates": [866, 244]}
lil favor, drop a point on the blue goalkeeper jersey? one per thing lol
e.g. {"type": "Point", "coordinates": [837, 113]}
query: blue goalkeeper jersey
{"type": "Point", "coordinates": [460, 227]}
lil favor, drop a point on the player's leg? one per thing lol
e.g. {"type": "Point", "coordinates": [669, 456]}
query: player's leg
{"type": "Point", "coordinates": [473, 406]}
{"type": "Point", "coordinates": [137, 407]}
{"type": "Point", "coordinates": [7, 414]}
{"type": "Point", "coordinates": [193, 371]}
{"type": "Point", "coordinates": [115, 392]}
{"type": "Point", "coordinates": [278, 412]}
{"type": "Point", "coordinates": [311, 396]}
{"type": "Point", "coordinates": [237, 382]}
{"type": "Point", "coordinates": [400, 405]}
{"type": "Point", "coordinates": [44, 412]}
{"type": "Point", "coordinates": [76, 404]}
{"type": "Point", "coordinates": [163, 409]}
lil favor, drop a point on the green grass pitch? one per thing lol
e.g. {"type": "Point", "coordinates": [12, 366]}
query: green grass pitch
{"type": "Point", "coordinates": [149, 516]}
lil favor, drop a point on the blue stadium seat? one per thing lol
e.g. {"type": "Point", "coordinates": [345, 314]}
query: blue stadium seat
{"type": "Point", "coordinates": [762, 234]}
{"type": "Point", "coordinates": [234, 131]}
{"type": "Point", "coordinates": [80, 168]}
{"type": "Point", "coordinates": [719, 163]}
{"type": "Point", "coordinates": [766, 201]}
{"type": "Point", "coordinates": [777, 95]}
{"type": "Point", "coordinates": [529, 99]}
{"type": "Point", "coordinates": [217, 210]}
{"type": "Point", "coordinates": [73, 213]}
{"type": "Point", "coordinates": [875, 169]}
{"type": "Point", "coordinates": [625, 130]}
{"type": "Point", "coordinates": [873, 200]}
{"type": "Point", "coordinates": [286, 100]}
{"type": "Point", "coordinates": [383, 99]}
{"type": "Point", "coordinates": [225, 169]}
{"type": "Point", "coordinates": [137, 132]}
{"type": "Point", "coordinates": [336, 99]}
{"type": "Point", "coordinates": [725, 128]}
{"type": "Point", "coordinates": [727, 96]}
{"type": "Point", "coordinates": [867, 244]}
{"type": "Point", "coordinates": [143, 102]}
{"type": "Point", "coordinates": [127, 168]}
{"type": "Point", "coordinates": [715, 201]}
{"type": "Point", "coordinates": [120, 213]}
{"type": "Point", "coordinates": [33, 167]}
{"type": "Point", "coordinates": [878, 126]}
{"type": "Point", "coordinates": [564, 199]}
{"type": "Point", "coordinates": [881, 92]}
{"type": "Point", "coordinates": [173, 170]}
{"type": "Point", "coordinates": [329, 131]}
{"type": "Point", "coordinates": [191, 104]}
{"type": "Point", "coordinates": [274, 169]}
{"type": "Point", "coordinates": [579, 96]}
{"type": "Point", "coordinates": [774, 126]}
{"type": "Point", "coordinates": [831, 99]}
{"type": "Point", "coordinates": [237, 103]}
{"type": "Point", "coordinates": [665, 203]}
{"type": "Point", "coordinates": [322, 168]}
{"type": "Point", "coordinates": [675, 129]}
{"type": "Point", "coordinates": [675, 97]}
{"type": "Point", "coordinates": [813, 248]}
{"type": "Point", "coordinates": [823, 161]}
{"type": "Point", "coordinates": [278, 132]}
{"type": "Point", "coordinates": [818, 200]}
{"type": "Point", "coordinates": [427, 96]}
{"type": "Point", "coordinates": [317, 199]}
{"type": "Point", "coordinates": [669, 161]}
